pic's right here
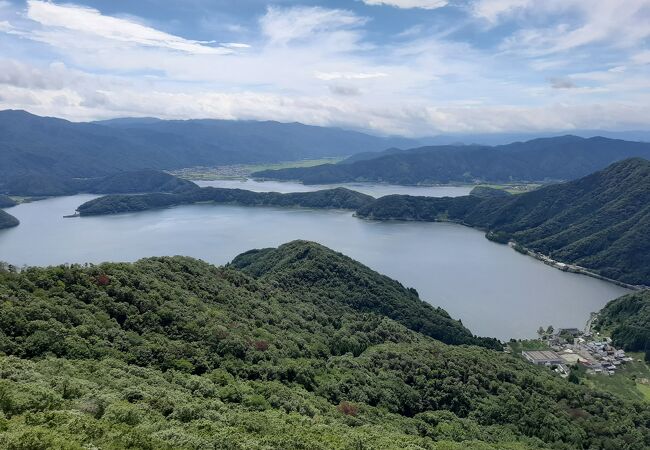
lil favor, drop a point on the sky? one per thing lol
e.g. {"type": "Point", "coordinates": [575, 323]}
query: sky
{"type": "Point", "coordinates": [391, 67]}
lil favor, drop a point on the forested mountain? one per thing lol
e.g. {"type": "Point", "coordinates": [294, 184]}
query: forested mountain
{"type": "Point", "coordinates": [601, 222]}
{"type": "Point", "coordinates": [145, 180]}
{"type": "Point", "coordinates": [6, 201]}
{"type": "Point", "coordinates": [53, 147]}
{"type": "Point", "coordinates": [488, 192]}
{"type": "Point", "coordinates": [340, 198]}
{"type": "Point", "coordinates": [7, 220]}
{"type": "Point", "coordinates": [266, 353]}
{"type": "Point", "coordinates": [507, 138]}
{"type": "Point", "coordinates": [558, 158]}
{"type": "Point", "coordinates": [628, 320]}
{"type": "Point", "coordinates": [313, 271]}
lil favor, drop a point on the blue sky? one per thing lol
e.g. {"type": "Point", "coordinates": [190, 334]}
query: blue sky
{"type": "Point", "coordinates": [411, 67]}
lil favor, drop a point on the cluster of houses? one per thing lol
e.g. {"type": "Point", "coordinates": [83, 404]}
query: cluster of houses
{"type": "Point", "coordinates": [570, 346]}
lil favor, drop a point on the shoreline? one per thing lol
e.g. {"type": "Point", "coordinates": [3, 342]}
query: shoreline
{"type": "Point", "coordinates": [564, 267]}
{"type": "Point", "coordinates": [572, 268]}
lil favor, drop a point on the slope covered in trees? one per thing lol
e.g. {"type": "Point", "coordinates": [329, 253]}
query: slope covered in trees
{"type": "Point", "coordinates": [558, 158]}
{"type": "Point", "coordinates": [341, 198]}
{"type": "Point", "coordinates": [7, 220]}
{"type": "Point", "coordinates": [315, 272]}
{"type": "Point", "coordinates": [176, 353]}
{"type": "Point", "coordinates": [628, 320]}
{"type": "Point", "coordinates": [45, 146]}
{"type": "Point", "coordinates": [145, 180]}
{"type": "Point", "coordinates": [601, 222]}
{"type": "Point", "coordinates": [6, 202]}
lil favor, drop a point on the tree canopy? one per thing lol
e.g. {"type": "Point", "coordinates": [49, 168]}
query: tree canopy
{"type": "Point", "coordinates": [296, 347]}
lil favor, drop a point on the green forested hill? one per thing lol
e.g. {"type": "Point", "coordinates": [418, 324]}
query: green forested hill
{"type": "Point", "coordinates": [557, 158]}
{"type": "Point", "coordinates": [341, 198]}
{"type": "Point", "coordinates": [176, 353]}
{"type": "Point", "coordinates": [6, 202]}
{"type": "Point", "coordinates": [316, 272]}
{"type": "Point", "coordinates": [7, 220]}
{"type": "Point", "coordinates": [601, 222]}
{"type": "Point", "coordinates": [628, 320]}
{"type": "Point", "coordinates": [145, 180]}
{"type": "Point", "coordinates": [489, 192]}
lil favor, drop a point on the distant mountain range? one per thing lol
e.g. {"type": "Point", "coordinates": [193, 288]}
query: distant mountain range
{"type": "Point", "coordinates": [507, 138]}
{"type": "Point", "coordinates": [46, 146]}
{"type": "Point", "coordinates": [32, 144]}
{"type": "Point", "coordinates": [544, 159]}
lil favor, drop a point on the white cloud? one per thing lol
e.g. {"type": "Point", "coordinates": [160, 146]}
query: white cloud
{"type": "Point", "coordinates": [328, 76]}
{"type": "Point", "coordinates": [570, 24]}
{"type": "Point", "coordinates": [235, 45]}
{"type": "Point", "coordinates": [642, 57]}
{"type": "Point", "coordinates": [90, 23]}
{"type": "Point", "coordinates": [494, 10]}
{"type": "Point", "coordinates": [326, 67]}
{"type": "Point", "coordinates": [408, 4]}
{"type": "Point", "coordinates": [286, 25]}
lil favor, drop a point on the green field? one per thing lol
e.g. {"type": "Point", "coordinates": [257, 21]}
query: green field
{"type": "Point", "coordinates": [632, 381]}
{"type": "Point", "coordinates": [514, 188]}
{"type": "Point", "coordinates": [525, 345]}
{"type": "Point", "coordinates": [245, 170]}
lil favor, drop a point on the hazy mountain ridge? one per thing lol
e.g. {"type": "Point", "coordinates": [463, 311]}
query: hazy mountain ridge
{"type": "Point", "coordinates": [543, 159]}
{"type": "Point", "coordinates": [30, 144]}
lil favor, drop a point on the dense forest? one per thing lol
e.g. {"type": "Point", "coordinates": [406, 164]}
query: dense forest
{"type": "Point", "coordinates": [341, 198]}
{"type": "Point", "coordinates": [489, 192]}
{"type": "Point", "coordinates": [145, 180]}
{"type": "Point", "coordinates": [558, 158]}
{"type": "Point", "coordinates": [295, 348]}
{"type": "Point", "coordinates": [627, 319]}
{"type": "Point", "coordinates": [6, 201]}
{"type": "Point", "coordinates": [601, 222]}
{"type": "Point", "coordinates": [7, 220]}
{"type": "Point", "coordinates": [56, 148]}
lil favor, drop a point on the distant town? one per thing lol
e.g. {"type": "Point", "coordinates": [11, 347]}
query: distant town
{"type": "Point", "coordinates": [571, 347]}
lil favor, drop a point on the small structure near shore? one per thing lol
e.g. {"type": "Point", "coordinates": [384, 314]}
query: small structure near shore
{"type": "Point", "coordinates": [542, 357]}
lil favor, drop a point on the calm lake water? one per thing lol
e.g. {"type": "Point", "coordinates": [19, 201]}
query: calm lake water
{"type": "Point", "coordinates": [376, 190]}
{"type": "Point", "coordinates": [493, 289]}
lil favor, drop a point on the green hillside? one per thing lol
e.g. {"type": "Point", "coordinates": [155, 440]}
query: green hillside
{"type": "Point", "coordinates": [145, 180]}
{"type": "Point", "coordinates": [7, 220]}
{"type": "Point", "coordinates": [174, 353]}
{"type": "Point", "coordinates": [6, 202]}
{"type": "Point", "coordinates": [340, 198]}
{"type": "Point", "coordinates": [627, 319]}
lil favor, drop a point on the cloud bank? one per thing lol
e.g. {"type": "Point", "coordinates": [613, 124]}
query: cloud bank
{"type": "Point", "coordinates": [500, 65]}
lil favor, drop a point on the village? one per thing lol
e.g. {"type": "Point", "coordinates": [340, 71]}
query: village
{"type": "Point", "coordinates": [571, 347]}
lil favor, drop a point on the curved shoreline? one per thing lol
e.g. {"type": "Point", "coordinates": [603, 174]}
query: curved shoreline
{"type": "Point", "coordinates": [564, 267]}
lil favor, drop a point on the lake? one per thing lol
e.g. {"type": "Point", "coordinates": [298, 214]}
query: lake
{"type": "Point", "coordinates": [376, 190]}
{"type": "Point", "coordinates": [493, 289]}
